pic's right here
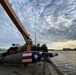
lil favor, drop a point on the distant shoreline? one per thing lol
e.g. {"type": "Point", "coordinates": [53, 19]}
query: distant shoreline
{"type": "Point", "coordinates": [62, 50]}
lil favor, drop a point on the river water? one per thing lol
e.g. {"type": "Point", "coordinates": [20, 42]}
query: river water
{"type": "Point", "coordinates": [66, 61]}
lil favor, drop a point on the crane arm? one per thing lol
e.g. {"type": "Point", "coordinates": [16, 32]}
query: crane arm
{"type": "Point", "coordinates": [7, 7]}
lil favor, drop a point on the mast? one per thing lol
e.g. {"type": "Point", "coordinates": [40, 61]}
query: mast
{"type": "Point", "coordinates": [35, 38]}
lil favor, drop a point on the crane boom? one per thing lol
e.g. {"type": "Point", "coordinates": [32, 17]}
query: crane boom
{"type": "Point", "coordinates": [7, 7]}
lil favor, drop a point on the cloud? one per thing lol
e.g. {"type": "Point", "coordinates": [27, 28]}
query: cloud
{"type": "Point", "coordinates": [51, 20]}
{"type": "Point", "coordinates": [66, 44]}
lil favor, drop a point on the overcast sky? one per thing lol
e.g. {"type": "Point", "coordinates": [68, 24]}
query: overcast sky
{"type": "Point", "coordinates": [53, 21]}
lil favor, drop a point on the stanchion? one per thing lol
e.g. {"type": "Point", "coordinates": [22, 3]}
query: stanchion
{"type": "Point", "coordinates": [44, 61]}
{"type": "Point", "coordinates": [48, 68]}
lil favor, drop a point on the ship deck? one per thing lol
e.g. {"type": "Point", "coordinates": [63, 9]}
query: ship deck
{"type": "Point", "coordinates": [30, 69]}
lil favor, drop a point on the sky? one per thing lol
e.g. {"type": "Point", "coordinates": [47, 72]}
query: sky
{"type": "Point", "coordinates": [53, 22]}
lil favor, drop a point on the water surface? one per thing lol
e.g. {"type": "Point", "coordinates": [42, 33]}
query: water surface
{"type": "Point", "coordinates": [66, 61]}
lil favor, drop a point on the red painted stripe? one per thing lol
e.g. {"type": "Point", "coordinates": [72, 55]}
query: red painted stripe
{"type": "Point", "coordinates": [26, 57]}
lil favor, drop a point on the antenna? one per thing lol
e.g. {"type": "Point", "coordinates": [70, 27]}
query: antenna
{"type": "Point", "coordinates": [35, 38]}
